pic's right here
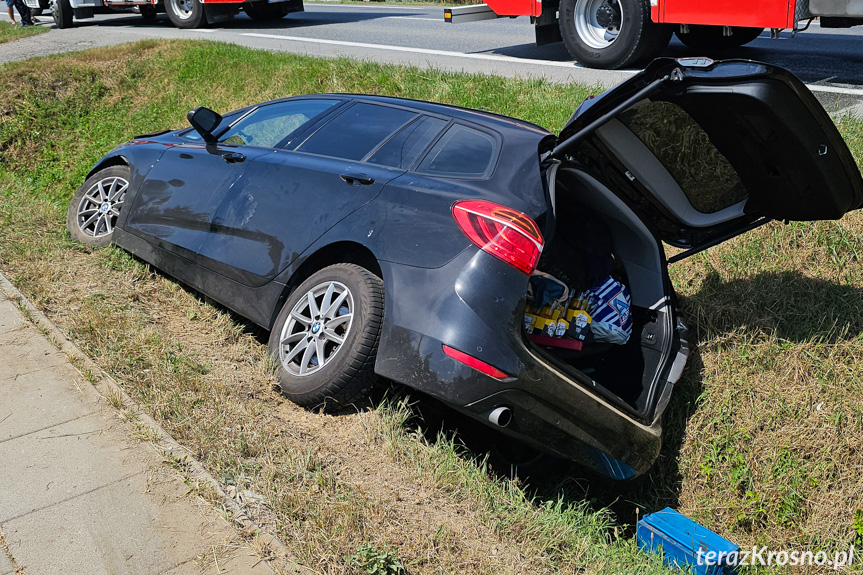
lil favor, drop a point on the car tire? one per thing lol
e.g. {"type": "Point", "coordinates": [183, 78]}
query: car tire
{"type": "Point", "coordinates": [346, 373]}
{"type": "Point", "coordinates": [186, 13]}
{"type": "Point", "coordinates": [262, 11]}
{"type": "Point", "coordinates": [61, 11]}
{"type": "Point", "coordinates": [609, 33]}
{"type": "Point", "coordinates": [96, 205]}
{"type": "Point", "coordinates": [711, 38]}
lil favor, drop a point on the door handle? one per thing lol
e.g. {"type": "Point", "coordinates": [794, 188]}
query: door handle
{"type": "Point", "coordinates": [355, 179]}
{"type": "Point", "coordinates": [233, 157]}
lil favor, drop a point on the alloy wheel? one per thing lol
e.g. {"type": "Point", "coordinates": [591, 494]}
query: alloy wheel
{"type": "Point", "coordinates": [98, 210]}
{"type": "Point", "coordinates": [316, 328]}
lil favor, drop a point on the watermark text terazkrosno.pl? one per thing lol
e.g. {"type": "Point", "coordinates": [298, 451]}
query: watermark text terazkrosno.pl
{"type": "Point", "coordinates": [762, 556]}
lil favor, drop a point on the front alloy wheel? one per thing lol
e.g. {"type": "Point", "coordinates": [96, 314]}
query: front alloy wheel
{"type": "Point", "coordinates": [95, 207]}
{"type": "Point", "coordinates": [325, 338]}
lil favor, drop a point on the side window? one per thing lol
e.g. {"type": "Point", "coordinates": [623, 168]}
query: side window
{"type": "Point", "coordinates": [463, 152]}
{"type": "Point", "coordinates": [269, 125]}
{"type": "Point", "coordinates": [406, 146]}
{"type": "Point", "coordinates": [357, 131]}
{"type": "Point", "coordinates": [707, 178]}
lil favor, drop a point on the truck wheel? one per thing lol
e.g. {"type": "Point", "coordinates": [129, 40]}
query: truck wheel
{"type": "Point", "coordinates": [609, 33]}
{"type": "Point", "coordinates": [186, 13]}
{"type": "Point", "coordinates": [262, 11]}
{"type": "Point", "coordinates": [148, 13]}
{"type": "Point", "coordinates": [61, 10]}
{"type": "Point", "coordinates": [711, 38]}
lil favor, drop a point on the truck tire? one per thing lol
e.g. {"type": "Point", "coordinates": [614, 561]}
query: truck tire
{"type": "Point", "coordinates": [610, 33]}
{"type": "Point", "coordinates": [62, 12]}
{"type": "Point", "coordinates": [711, 38]}
{"type": "Point", "coordinates": [186, 13]}
{"type": "Point", "coordinates": [148, 13]}
{"type": "Point", "coordinates": [262, 11]}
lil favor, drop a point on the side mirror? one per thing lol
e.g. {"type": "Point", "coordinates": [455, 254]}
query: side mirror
{"type": "Point", "coordinates": [204, 120]}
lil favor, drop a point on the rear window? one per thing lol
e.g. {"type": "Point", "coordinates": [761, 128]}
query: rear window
{"type": "Point", "coordinates": [357, 131]}
{"type": "Point", "coordinates": [461, 152]}
{"type": "Point", "coordinates": [706, 176]}
{"type": "Point", "coordinates": [406, 146]}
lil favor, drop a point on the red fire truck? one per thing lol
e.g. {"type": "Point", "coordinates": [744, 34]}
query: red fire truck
{"type": "Point", "coordinates": [621, 33]}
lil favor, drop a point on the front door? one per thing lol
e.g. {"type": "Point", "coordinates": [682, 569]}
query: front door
{"type": "Point", "coordinates": [179, 198]}
{"type": "Point", "coordinates": [290, 198]}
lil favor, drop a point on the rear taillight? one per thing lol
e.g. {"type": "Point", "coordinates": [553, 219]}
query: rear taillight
{"type": "Point", "coordinates": [507, 234]}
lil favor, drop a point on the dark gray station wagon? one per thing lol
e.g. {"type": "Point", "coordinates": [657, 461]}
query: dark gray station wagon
{"type": "Point", "coordinates": [468, 255]}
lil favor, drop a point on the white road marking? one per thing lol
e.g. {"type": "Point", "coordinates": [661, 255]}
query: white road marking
{"type": "Point", "coordinates": [204, 30]}
{"type": "Point", "coordinates": [835, 89]}
{"type": "Point", "coordinates": [493, 57]}
{"type": "Point", "coordinates": [427, 51]}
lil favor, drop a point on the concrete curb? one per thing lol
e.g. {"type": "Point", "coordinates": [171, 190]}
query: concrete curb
{"type": "Point", "coordinates": [167, 445]}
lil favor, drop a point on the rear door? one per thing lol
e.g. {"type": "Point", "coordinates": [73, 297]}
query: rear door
{"type": "Point", "coordinates": [707, 150]}
{"type": "Point", "coordinates": [289, 199]}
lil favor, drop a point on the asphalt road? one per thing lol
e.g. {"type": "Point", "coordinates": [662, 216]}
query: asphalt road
{"type": "Point", "coordinates": [831, 61]}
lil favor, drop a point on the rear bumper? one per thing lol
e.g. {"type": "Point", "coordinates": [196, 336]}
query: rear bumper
{"type": "Point", "coordinates": [474, 304]}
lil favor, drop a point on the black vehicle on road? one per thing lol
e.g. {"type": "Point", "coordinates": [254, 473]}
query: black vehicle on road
{"type": "Point", "coordinates": [386, 237]}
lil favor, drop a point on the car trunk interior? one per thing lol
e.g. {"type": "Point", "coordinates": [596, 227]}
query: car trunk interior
{"type": "Point", "coordinates": [627, 374]}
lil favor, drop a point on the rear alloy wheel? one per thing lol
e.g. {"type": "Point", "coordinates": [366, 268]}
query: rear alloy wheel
{"type": "Point", "coordinates": [186, 13]}
{"type": "Point", "coordinates": [262, 11]}
{"type": "Point", "coordinates": [610, 33]}
{"type": "Point", "coordinates": [95, 207]}
{"type": "Point", "coordinates": [61, 10]}
{"type": "Point", "coordinates": [326, 337]}
{"type": "Point", "coordinates": [713, 38]}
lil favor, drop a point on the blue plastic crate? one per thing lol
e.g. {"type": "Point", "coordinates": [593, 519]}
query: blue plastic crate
{"type": "Point", "coordinates": [681, 540]}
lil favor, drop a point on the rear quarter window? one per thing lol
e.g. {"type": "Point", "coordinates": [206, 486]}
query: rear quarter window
{"type": "Point", "coordinates": [462, 152]}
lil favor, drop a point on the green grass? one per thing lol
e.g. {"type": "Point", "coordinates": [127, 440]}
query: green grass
{"type": "Point", "coordinates": [762, 437]}
{"type": "Point", "coordinates": [9, 33]}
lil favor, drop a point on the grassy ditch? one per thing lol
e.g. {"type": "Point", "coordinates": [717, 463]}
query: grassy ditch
{"type": "Point", "coordinates": [763, 437]}
{"type": "Point", "coordinates": [8, 32]}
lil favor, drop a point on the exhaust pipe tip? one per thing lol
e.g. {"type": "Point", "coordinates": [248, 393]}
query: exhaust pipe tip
{"type": "Point", "coordinates": [500, 416]}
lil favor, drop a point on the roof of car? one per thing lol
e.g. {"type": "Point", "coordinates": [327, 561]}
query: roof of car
{"type": "Point", "coordinates": [488, 119]}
